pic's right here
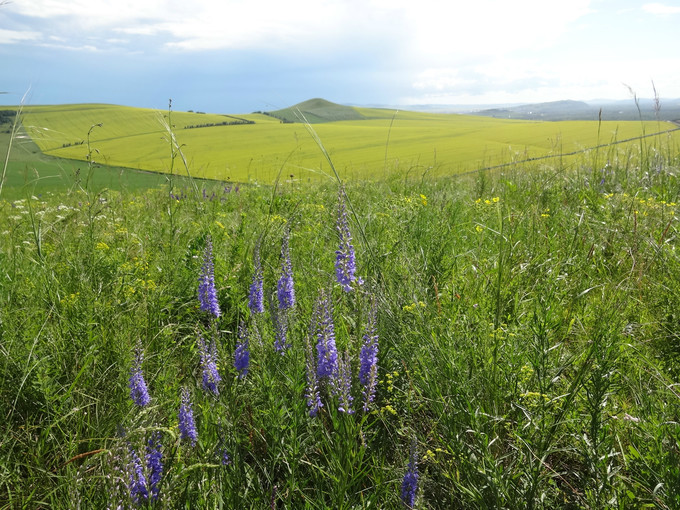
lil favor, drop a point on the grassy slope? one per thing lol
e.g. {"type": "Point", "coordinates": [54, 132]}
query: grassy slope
{"type": "Point", "coordinates": [434, 143]}
{"type": "Point", "coordinates": [528, 326]}
{"type": "Point", "coordinates": [31, 172]}
{"type": "Point", "coordinates": [317, 111]}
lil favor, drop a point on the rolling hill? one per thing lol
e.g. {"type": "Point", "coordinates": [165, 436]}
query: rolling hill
{"type": "Point", "coordinates": [364, 143]}
{"type": "Point", "coordinates": [316, 111]}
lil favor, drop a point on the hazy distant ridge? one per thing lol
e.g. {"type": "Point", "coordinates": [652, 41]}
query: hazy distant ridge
{"type": "Point", "coordinates": [560, 110]}
{"type": "Point", "coordinates": [669, 109]}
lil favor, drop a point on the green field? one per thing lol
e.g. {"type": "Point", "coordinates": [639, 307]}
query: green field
{"type": "Point", "coordinates": [30, 172]}
{"type": "Point", "coordinates": [373, 144]}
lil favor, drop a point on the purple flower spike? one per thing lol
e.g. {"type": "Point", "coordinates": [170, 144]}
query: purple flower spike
{"type": "Point", "coordinates": [207, 294]}
{"type": "Point", "coordinates": [211, 376]}
{"type": "Point", "coordinates": [139, 393]}
{"type": "Point", "coordinates": [224, 457]}
{"type": "Point", "coordinates": [312, 391]}
{"type": "Point", "coordinates": [409, 485]}
{"type": "Point", "coordinates": [327, 354]}
{"type": "Point", "coordinates": [280, 319]}
{"type": "Point", "coordinates": [285, 290]}
{"type": "Point", "coordinates": [137, 480]}
{"type": "Point", "coordinates": [368, 359]}
{"type": "Point", "coordinates": [345, 385]}
{"type": "Point", "coordinates": [345, 263]}
{"type": "Point", "coordinates": [187, 425]}
{"type": "Point", "coordinates": [255, 301]}
{"type": "Point", "coordinates": [154, 464]}
{"type": "Point", "coordinates": [242, 352]}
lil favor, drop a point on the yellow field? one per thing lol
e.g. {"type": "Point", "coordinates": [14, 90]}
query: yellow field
{"type": "Point", "coordinates": [360, 149]}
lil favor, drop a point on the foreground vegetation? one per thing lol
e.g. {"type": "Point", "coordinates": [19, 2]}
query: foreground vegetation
{"type": "Point", "coordinates": [525, 326]}
{"type": "Point", "coordinates": [365, 144]}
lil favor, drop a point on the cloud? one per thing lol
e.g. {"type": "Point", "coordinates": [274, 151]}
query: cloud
{"type": "Point", "coordinates": [528, 80]}
{"type": "Point", "coordinates": [200, 24]}
{"type": "Point", "coordinates": [428, 29]}
{"type": "Point", "coordinates": [97, 13]}
{"type": "Point", "coordinates": [441, 79]}
{"type": "Point", "coordinates": [18, 36]}
{"type": "Point", "coordinates": [661, 9]}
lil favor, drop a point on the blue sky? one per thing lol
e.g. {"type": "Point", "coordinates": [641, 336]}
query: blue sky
{"type": "Point", "coordinates": [238, 56]}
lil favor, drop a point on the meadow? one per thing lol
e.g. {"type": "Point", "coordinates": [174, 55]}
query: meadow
{"type": "Point", "coordinates": [504, 339]}
{"type": "Point", "coordinates": [364, 143]}
{"type": "Point", "coordinates": [30, 172]}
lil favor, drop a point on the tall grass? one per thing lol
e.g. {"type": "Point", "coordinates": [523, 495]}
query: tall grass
{"type": "Point", "coordinates": [528, 342]}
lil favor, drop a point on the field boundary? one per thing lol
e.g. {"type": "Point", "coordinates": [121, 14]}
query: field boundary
{"type": "Point", "coordinates": [572, 153]}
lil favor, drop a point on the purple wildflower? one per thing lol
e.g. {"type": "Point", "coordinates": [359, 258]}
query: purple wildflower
{"type": "Point", "coordinates": [187, 425]}
{"type": "Point", "coordinates": [285, 290]}
{"type": "Point", "coordinates": [154, 464]}
{"type": "Point", "coordinates": [312, 391]}
{"type": "Point", "coordinates": [207, 294]}
{"type": "Point", "coordinates": [280, 320]}
{"type": "Point", "coordinates": [345, 263]}
{"type": "Point", "coordinates": [137, 480]}
{"type": "Point", "coordinates": [409, 485]}
{"type": "Point", "coordinates": [255, 302]}
{"type": "Point", "coordinates": [254, 334]}
{"type": "Point", "coordinates": [368, 393]}
{"type": "Point", "coordinates": [242, 352]}
{"type": "Point", "coordinates": [327, 354]}
{"type": "Point", "coordinates": [224, 457]}
{"type": "Point", "coordinates": [345, 385]}
{"type": "Point", "coordinates": [368, 359]}
{"type": "Point", "coordinates": [208, 354]}
{"type": "Point", "coordinates": [139, 393]}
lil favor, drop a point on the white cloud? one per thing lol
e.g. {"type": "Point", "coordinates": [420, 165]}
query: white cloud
{"type": "Point", "coordinates": [661, 9]}
{"type": "Point", "coordinates": [431, 29]}
{"type": "Point", "coordinates": [445, 31]}
{"type": "Point", "coordinates": [200, 24]}
{"type": "Point", "coordinates": [97, 12]}
{"type": "Point", "coordinates": [440, 79]}
{"type": "Point", "coordinates": [17, 36]}
{"type": "Point", "coordinates": [529, 81]}
{"type": "Point", "coordinates": [72, 47]}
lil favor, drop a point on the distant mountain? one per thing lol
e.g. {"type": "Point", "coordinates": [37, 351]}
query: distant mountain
{"type": "Point", "coordinates": [316, 111]}
{"type": "Point", "coordinates": [553, 110]}
{"type": "Point", "coordinates": [669, 109]}
{"type": "Point", "coordinates": [626, 109]}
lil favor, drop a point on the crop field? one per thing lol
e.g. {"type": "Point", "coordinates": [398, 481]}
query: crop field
{"type": "Point", "coordinates": [30, 172]}
{"type": "Point", "coordinates": [256, 147]}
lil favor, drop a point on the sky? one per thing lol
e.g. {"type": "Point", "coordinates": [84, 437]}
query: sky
{"type": "Point", "coordinates": [240, 56]}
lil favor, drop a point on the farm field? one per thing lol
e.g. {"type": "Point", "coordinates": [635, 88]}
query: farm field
{"type": "Point", "coordinates": [30, 172]}
{"type": "Point", "coordinates": [372, 145]}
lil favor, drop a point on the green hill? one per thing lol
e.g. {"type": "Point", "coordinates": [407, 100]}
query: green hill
{"type": "Point", "coordinates": [259, 146]}
{"type": "Point", "coordinates": [316, 111]}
